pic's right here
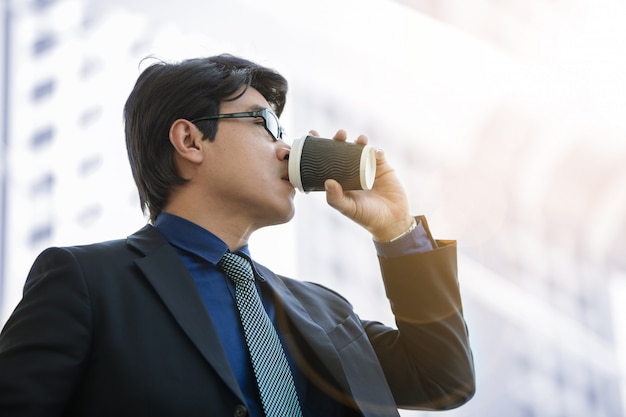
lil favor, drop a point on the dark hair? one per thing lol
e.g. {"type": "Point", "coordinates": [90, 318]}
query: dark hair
{"type": "Point", "coordinates": [193, 88]}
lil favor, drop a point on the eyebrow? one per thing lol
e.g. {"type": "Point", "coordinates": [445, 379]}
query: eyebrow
{"type": "Point", "coordinates": [256, 107]}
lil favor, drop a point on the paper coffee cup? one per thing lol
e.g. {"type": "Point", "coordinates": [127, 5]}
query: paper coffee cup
{"type": "Point", "coordinates": [313, 160]}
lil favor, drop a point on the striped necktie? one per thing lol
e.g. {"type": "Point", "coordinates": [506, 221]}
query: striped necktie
{"type": "Point", "coordinates": [271, 370]}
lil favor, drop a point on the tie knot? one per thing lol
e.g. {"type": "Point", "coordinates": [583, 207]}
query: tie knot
{"type": "Point", "coordinates": [236, 267]}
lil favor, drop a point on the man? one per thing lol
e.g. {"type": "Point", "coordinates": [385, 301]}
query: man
{"type": "Point", "coordinates": [153, 326]}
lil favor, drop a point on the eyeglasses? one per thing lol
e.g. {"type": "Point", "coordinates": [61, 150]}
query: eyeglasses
{"type": "Point", "coordinates": [272, 125]}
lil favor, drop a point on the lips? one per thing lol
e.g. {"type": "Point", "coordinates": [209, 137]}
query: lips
{"type": "Point", "coordinates": [285, 177]}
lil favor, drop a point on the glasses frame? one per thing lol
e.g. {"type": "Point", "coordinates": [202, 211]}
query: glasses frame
{"type": "Point", "coordinates": [266, 114]}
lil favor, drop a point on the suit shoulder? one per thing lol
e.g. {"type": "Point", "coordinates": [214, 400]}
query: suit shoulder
{"type": "Point", "coordinates": [103, 255]}
{"type": "Point", "coordinates": [108, 248]}
{"type": "Point", "coordinates": [99, 249]}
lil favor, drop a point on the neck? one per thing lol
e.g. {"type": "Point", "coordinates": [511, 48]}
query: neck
{"type": "Point", "coordinates": [230, 229]}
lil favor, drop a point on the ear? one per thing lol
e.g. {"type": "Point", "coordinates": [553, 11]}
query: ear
{"type": "Point", "coordinates": [187, 141]}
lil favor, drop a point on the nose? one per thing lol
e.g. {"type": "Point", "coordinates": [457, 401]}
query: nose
{"type": "Point", "coordinates": [283, 150]}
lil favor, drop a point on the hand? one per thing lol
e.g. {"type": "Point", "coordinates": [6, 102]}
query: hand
{"type": "Point", "coordinates": [383, 210]}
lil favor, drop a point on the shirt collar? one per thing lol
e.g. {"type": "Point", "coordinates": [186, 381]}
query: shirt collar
{"type": "Point", "coordinates": [193, 238]}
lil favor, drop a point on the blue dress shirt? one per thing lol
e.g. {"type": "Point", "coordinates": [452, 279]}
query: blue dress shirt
{"type": "Point", "coordinates": [201, 250]}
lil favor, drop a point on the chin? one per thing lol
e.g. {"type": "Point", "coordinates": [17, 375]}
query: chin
{"type": "Point", "coordinates": [286, 215]}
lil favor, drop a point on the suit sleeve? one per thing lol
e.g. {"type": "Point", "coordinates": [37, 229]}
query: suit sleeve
{"type": "Point", "coordinates": [427, 361]}
{"type": "Point", "coordinates": [46, 339]}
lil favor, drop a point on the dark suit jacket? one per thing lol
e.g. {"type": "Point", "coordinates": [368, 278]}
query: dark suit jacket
{"type": "Point", "coordinates": [119, 329]}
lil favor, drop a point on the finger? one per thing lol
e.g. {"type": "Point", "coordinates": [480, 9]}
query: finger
{"type": "Point", "coordinates": [382, 166]}
{"type": "Point", "coordinates": [380, 156]}
{"type": "Point", "coordinates": [362, 139]}
{"type": "Point", "coordinates": [335, 196]}
{"type": "Point", "coordinates": [381, 159]}
{"type": "Point", "coordinates": [341, 135]}
{"type": "Point", "coordinates": [313, 132]}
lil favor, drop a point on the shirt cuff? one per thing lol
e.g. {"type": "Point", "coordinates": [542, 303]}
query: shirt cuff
{"type": "Point", "coordinates": [418, 240]}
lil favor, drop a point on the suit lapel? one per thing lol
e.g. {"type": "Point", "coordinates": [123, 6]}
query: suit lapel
{"type": "Point", "coordinates": [309, 329]}
{"type": "Point", "coordinates": [329, 347]}
{"type": "Point", "coordinates": [167, 273]}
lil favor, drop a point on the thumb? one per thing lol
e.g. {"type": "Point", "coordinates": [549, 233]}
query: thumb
{"type": "Point", "coordinates": [334, 195]}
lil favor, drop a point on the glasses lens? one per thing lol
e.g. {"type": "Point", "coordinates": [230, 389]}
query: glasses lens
{"type": "Point", "coordinates": [272, 124]}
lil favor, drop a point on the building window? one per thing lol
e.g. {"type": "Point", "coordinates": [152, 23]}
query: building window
{"type": "Point", "coordinates": [43, 186]}
{"type": "Point", "coordinates": [42, 4]}
{"type": "Point", "coordinates": [89, 215]}
{"type": "Point", "coordinates": [40, 233]}
{"type": "Point", "coordinates": [44, 43]}
{"type": "Point", "coordinates": [43, 90]}
{"type": "Point", "coordinates": [42, 137]}
{"type": "Point", "coordinates": [89, 165]}
{"type": "Point", "coordinates": [90, 116]}
{"type": "Point", "coordinates": [90, 67]}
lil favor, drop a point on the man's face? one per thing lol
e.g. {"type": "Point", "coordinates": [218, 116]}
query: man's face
{"type": "Point", "coordinates": [247, 169]}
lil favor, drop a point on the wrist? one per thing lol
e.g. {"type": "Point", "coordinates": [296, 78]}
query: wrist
{"type": "Point", "coordinates": [389, 238]}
